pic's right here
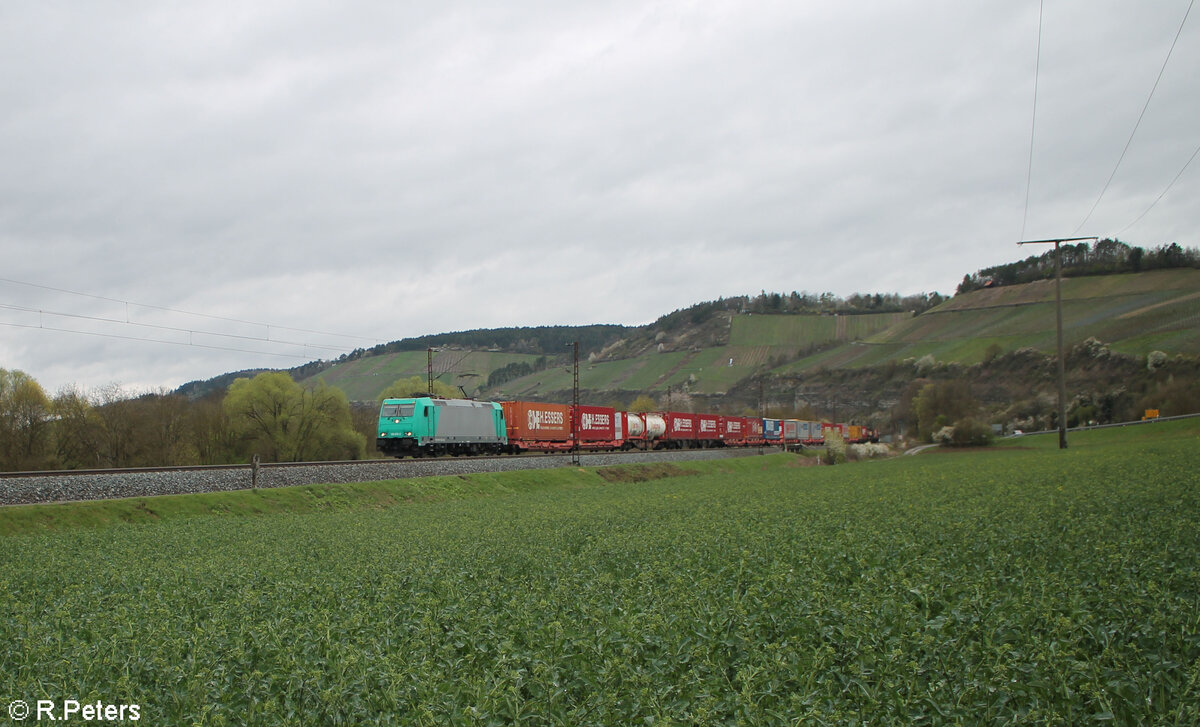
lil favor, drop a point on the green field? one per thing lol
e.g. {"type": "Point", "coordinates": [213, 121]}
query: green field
{"type": "Point", "coordinates": [1021, 585]}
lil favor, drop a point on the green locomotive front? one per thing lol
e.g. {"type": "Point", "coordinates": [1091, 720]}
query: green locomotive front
{"type": "Point", "coordinates": [425, 426]}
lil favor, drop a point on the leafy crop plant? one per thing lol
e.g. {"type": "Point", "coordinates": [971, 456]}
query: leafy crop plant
{"type": "Point", "coordinates": [1012, 587]}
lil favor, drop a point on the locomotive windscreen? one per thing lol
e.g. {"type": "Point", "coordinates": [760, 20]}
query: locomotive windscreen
{"type": "Point", "coordinates": [397, 410]}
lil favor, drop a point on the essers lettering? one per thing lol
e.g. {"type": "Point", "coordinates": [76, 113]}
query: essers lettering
{"type": "Point", "coordinates": [683, 425]}
{"type": "Point", "coordinates": [541, 418]}
{"type": "Point", "coordinates": [708, 425]}
{"type": "Point", "coordinates": [589, 421]}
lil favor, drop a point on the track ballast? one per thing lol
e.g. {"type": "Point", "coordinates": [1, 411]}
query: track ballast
{"type": "Point", "coordinates": [45, 487]}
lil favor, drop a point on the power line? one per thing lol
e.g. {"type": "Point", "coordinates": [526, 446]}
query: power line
{"type": "Point", "coordinates": [1139, 120]}
{"type": "Point", "coordinates": [154, 340]}
{"type": "Point", "coordinates": [307, 351]}
{"type": "Point", "coordinates": [189, 331]}
{"type": "Point", "coordinates": [1164, 192]}
{"type": "Point", "coordinates": [184, 312]}
{"type": "Point", "coordinates": [1037, 65]}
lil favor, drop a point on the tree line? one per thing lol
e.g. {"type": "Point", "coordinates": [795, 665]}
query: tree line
{"type": "Point", "coordinates": [1104, 257]}
{"type": "Point", "coordinates": [515, 370]}
{"type": "Point", "coordinates": [547, 340]}
{"type": "Point", "coordinates": [269, 415]}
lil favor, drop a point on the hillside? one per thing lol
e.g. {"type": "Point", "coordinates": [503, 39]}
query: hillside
{"type": "Point", "coordinates": [749, 344]}
{"type": "Point", "coordinates": [646, 360]}
{"type": "Point", "coordinates": [1134, 313]}
{"type": "Point", "coordinates": [717, 354]}
{"type": "Point", "coordinates": [364, 378]}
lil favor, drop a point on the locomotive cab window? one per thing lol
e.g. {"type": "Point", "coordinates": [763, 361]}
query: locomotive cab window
{"type": "Point", "coordinates": [395, 411]}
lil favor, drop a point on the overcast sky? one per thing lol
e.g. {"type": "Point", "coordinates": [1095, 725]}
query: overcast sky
{"type": "Point", "coordinates": [387, 169]}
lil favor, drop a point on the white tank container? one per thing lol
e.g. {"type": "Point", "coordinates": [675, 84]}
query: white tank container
{"type": "Point", "coordinates": [656, 426]}
{"type": "Point", "coordinates": [635, 424]}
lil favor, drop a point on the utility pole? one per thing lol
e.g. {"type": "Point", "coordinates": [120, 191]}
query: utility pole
{"type": "Point", "coordinates": [575, 410]}
{"type": "Point", "coordinates": [429, 368]}
{"type": "Point", "coordinates": [1062, 362]}
{"type": "Point", "coordinates": [762, 411]}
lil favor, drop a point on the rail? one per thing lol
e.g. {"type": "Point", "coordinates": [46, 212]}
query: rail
{"type": "Point", "coordinates": [249, 466]}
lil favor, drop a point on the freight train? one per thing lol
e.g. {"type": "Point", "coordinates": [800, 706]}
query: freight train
{"type": "Point", "coordinates": [430, 426]}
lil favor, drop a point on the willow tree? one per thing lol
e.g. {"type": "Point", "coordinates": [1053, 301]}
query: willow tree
{"type": "Point", "coordinates": [282, 421]}
{"type": "Point", "coordinates": [25, 436]}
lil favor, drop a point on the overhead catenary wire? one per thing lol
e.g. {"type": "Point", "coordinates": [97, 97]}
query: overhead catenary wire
{"type": "Point", "coordinates": [190, 331]}
{"type": "Point", "coordinates": [1164, 192]}
{"type": "Point", "coordinates": [185, 312]}
{"type": "Point", "coordinates": [155, 340]}
{"type": "Point", "coordinates": [1037, 64]}
{"type": "Point", "coordinates": [1138, 123]}
{"type": "Point", "coordinates": [306, 350]}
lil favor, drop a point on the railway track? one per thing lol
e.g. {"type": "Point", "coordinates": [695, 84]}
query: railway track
{"type": "Point", "coordinates": [197, 468]}
{"type": "Point", "coordinates": [21, 488]}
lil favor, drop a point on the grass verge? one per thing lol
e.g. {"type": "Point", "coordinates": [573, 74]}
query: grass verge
{"type": "Point", "coordinates": [20, 519]}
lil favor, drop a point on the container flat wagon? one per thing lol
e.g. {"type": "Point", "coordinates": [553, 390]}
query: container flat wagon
{"type": "Point", "coordinates": [537, 427]}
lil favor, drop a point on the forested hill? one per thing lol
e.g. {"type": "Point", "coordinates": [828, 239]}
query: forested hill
{"type": "Point", "coordinates": [538, 340]}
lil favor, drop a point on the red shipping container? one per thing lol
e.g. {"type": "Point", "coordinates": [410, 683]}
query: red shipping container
{"type": "Point", "coordinates": [734, 429]}
{"type": "Point", "coordinates": [755, 428]}
{"type": "Point", "coordinates": [596, 423]}
{"type": "Point", "coordinates": [529, 421]}
{"type": "Point", "coordinates": [680, 426]}
{"type": "Point", "coordinates": [708, 426]}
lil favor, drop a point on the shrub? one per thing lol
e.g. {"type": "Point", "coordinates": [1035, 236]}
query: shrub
{"type": "Point", "coordinates": [941, 403]}
{"type": "Point", "coordinates": [970, 432]}
{"type": "Point", "coordinates": [1094, 348]}
{"type": "Point", "coordinates": [925, 364]}
{"type": "Point", "coordinates": [835, 447]}
{"type": "Point", "coordinates": [867, 451]}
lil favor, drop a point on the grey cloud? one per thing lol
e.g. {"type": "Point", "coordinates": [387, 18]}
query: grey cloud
{"type": "Point", "coordinates": [367, 169]}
